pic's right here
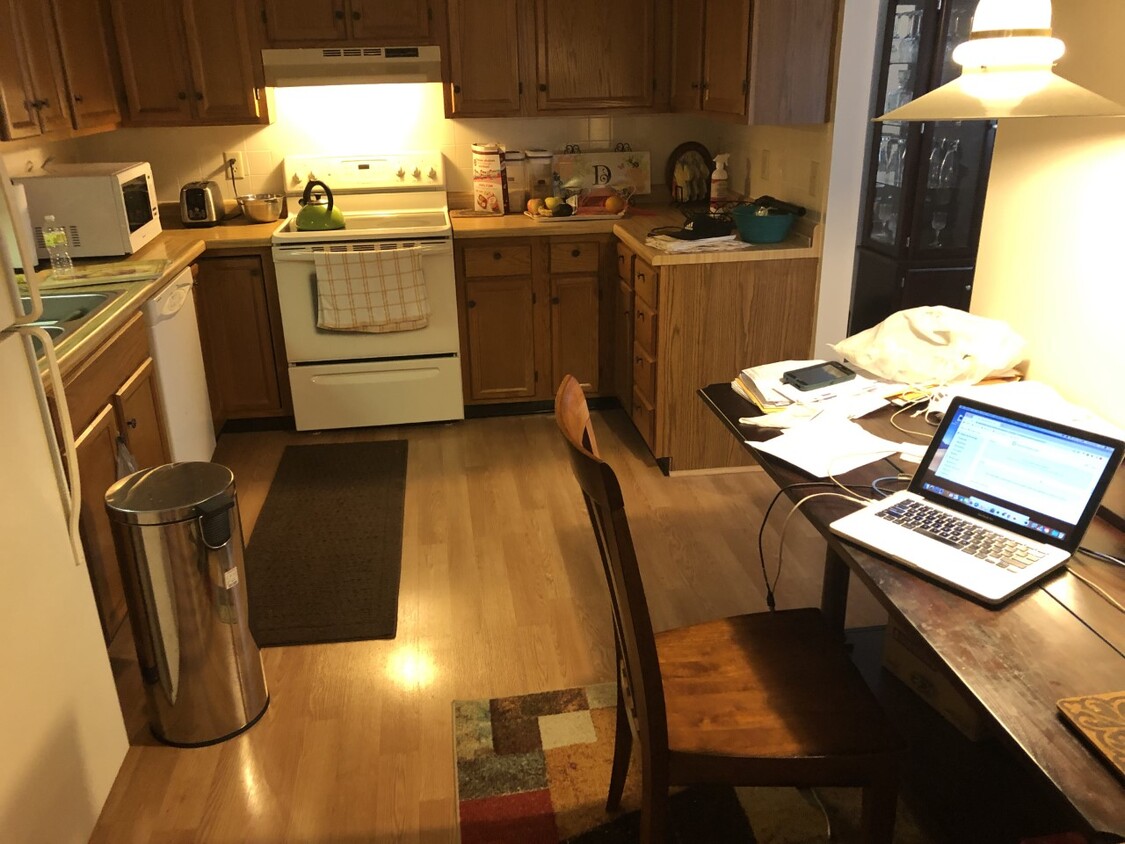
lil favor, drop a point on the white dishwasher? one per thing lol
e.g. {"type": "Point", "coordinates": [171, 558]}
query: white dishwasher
{"type": "Point", "coordinates": [174, 335]}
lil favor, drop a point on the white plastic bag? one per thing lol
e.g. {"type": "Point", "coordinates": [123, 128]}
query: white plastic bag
{"type": "Point", "coordinates": [935, 345]}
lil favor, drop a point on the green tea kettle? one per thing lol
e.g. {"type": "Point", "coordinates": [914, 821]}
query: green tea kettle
{"type": "Point", "coordinates": [318, 213]}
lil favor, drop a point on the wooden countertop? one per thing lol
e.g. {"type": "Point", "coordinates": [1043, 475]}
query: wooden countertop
{"type": "Point", "coordinates": [804, 242]}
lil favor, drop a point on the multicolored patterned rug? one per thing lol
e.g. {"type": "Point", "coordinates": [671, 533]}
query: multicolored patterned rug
{"type": "Point", "coordinates": [534, 769]}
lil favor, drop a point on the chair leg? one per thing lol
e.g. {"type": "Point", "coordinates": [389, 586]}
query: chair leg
{"type": "Point", "coordinates": [880, 803]}
{"type": "Point", "coordinates": [622, 750]}
{"type": "Point", "coordinates": [654, 804]}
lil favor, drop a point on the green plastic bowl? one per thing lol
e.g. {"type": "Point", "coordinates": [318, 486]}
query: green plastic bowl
{"type": "Point", "coordinates": [769, 228]}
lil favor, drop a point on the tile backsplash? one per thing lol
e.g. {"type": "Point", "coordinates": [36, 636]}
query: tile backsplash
{"type": "Point", "coordinates": [378, 118]}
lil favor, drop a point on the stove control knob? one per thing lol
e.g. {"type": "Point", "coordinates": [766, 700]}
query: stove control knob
{"type": "Point", "coordinates": [401, 174]}
{"type": "Point", "coordinates": [433, 174]}
{"type": "Point", "coordinates": [417, 174]}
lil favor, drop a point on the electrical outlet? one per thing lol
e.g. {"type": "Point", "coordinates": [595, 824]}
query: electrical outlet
{"type": "Point", "coordinates": [237, 170]}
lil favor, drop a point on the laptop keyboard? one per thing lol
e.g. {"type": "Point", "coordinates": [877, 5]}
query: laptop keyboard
{"type": "Point", "coordinates": [997, 549]}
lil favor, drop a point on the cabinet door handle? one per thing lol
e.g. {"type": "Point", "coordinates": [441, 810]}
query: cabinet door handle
{"type": "Point", "coordinates": [554, 300]}
{"type": "Point", "coordinates": [198, 96]}
{"type": "Point", "coordinates": [181, 95]}
{"type": "Point", "coordinates": [496, 256]}
{"type": "Point", "coordinates": [695, 86]}
{"type": "Point", "coordinates": [456, 89]}
{"type": "Point", "coordinates": [575, 253]}
{"type": "Point", "coordinates": [355, 16]}
{"type": "Point", "coordinates": [543, 86]}
{"type": "Point", "coordinates": [78, 98]}
{"type": "Point", "coordinates": [639, 359]}
{"type": "Point", "coordinates": [640, 276]}
{"type": "Point", "coordinates": [471, 303]}
{"type": "Point", "coordinates": [641, 315]}
{"type": "Point", "coordinates": [339, 14]}
{"type": "Point", "coordinates": [131, 423]}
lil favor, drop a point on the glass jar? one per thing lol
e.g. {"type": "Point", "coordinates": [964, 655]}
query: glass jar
{"type": "Point", "coordinates": [515, 168]}
{"type": "Point", "coordinates": [539, 173]}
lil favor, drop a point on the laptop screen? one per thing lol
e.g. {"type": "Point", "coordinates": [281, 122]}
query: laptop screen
{"type": "Point", "coordinates": [1029, 475]}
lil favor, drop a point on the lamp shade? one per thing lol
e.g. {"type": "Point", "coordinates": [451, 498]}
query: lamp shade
{"type": "Point", "coordinates": [1006, 71]}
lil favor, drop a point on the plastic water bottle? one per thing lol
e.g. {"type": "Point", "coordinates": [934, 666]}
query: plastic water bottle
{"type": "Point", "coordinates": [56, 241]}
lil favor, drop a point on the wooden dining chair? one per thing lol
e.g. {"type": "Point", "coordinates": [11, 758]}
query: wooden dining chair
{"type": "Point", "coordinates": [765, 699]}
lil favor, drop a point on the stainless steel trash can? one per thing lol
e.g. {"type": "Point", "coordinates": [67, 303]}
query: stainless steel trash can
{"type": "Point", "coordinates": [179, 539]}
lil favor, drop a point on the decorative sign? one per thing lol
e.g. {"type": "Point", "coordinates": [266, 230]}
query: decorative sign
{"type": "Point", "coordinates": [619, 169]}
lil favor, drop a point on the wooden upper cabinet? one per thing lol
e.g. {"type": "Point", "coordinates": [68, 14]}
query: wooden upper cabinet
{"type": "Point", "coordinates": [291, 22]}
{"type": "Point", "coordinates": [391, 20]}
{"type": "Point", "coordinates": [764, 62]}
{"type": "Point", "coordinates": [594, 54]}
{"type": "Point", "coordinates": [86, 63]}
{"type": "Point", "coordinates": [153, 65]}
{"type": "Point", "coordinates": [18, 116]}
{"type": "Point", "coordinates": [484, 81]}
{"type": "Point", "coordinates": [791, 60]}
{"type": "Point", "coordinates": [726, 56]}
{"type": "Point", "coordinates": [187, 61]}
{"type": "Point", "coordinates": [687, 54]}
{"type": "Point", "coordinates": [35, 39]}
{"type": "Point", "coordinates": [223, 54]}
{"type": "Point", "coordinates": [301, 23]}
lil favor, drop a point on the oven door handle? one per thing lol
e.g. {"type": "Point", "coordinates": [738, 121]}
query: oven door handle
{"type": "Point", "coordinates": [307, 254]}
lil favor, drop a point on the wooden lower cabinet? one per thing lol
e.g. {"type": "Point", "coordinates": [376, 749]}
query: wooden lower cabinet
{"type": "Point", "coordinates": [532, 310]}
{"type": "Point", "coordinates": [115, 410]}
{"type": "Point", "coordinates": [240, 332]}
{"type": "Point", "coordinates": [501, 353]}
{"type": "Point", "coordinates": [695, 324]}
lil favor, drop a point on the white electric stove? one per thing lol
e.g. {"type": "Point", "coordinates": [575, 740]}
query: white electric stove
{"type": "Point", "coordinates": [343, 379]}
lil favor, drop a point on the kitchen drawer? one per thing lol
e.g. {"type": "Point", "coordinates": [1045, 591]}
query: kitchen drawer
{"type": "Point", "coordinates": [644, 325]}
{"type": "Point", "coordinates": [625, 263]}
{"type": "Point", "coordinates": [497, 260]}
{"type": "Point", "coordinates": [646, 281]}
{"type": "Point", "coordinates": [90, 387]}
{"type": "Point", "coordinates": [644, 417]}
{"type": "Point", "coordinates": [644, 373]}
{"type": "Point", "coordinates": [574, 257]}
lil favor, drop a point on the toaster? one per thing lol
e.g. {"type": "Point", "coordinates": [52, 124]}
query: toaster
{"type": "Point", "coordinates": [201, 204]}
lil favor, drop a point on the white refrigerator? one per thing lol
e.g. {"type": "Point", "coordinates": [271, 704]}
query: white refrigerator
{"type": "Point", "coordinates": [61, 731]}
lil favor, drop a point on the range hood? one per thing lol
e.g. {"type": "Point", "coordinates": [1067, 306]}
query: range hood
{"type": "Point", "coordinates": [351, 65]}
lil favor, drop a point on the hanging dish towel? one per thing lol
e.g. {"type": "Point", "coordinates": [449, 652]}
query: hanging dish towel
{"type": "Point", "coordinates": [373, 292]}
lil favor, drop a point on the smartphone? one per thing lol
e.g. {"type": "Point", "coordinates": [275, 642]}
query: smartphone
{"type": "Point", "coordinates": [817, 376]}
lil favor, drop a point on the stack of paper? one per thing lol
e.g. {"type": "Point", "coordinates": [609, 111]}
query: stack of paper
{"type": "Point", "coordinates": [762, 385]}
{"type": "Point", "coordinates": [667, 243]}
{"type": "Point", "coordinates": [113, 272]}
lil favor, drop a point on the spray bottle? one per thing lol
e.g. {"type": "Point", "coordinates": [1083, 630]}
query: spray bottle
{"type": "Point", "coordinates": [719, 180]}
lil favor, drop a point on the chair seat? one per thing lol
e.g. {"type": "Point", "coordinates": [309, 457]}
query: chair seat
{"type": "Point", "coordinates": [768, 685]}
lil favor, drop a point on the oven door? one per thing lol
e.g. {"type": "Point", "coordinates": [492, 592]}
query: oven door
{"type": "Point", "coordinates": [305, 343]}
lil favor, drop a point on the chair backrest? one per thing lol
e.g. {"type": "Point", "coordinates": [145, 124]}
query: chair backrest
{"type": "Point", "coordinates": [636, 643]}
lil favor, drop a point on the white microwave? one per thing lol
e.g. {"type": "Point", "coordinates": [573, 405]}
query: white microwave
{"type": "Point", "coordinates": [107, 209]}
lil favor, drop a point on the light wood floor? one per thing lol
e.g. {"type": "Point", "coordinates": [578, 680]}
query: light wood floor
{"type": "Point", "coordinates": [502, 593]}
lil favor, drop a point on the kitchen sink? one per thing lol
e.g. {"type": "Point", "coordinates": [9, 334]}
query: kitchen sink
{"type": "Point", "coordinates": [55, 332]}
{"type": "Point", "coordinates": [68, 307]}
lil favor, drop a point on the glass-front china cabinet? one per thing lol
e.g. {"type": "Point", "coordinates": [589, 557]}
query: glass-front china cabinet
{"type": "Point", "coordinates": [925, 186]}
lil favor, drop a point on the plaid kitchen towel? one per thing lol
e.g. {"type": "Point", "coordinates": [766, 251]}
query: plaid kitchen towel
{"type": "Point", "coordinates": [374, 292]}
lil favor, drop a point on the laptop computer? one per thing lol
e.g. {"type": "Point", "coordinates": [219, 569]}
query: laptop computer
{"type": "Point", "coordinates": [1000, 500]}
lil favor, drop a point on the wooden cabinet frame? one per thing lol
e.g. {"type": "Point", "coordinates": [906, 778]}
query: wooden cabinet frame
{"type": "Point", "coordinates": [553, 318]}
{"type": "Point", "coordinates": [330, 23]}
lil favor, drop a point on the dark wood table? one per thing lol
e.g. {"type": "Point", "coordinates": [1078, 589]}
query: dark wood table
{"type": "Point", "coordinates": [1057, 639]}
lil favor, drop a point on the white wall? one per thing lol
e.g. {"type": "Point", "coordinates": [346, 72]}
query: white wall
{"type": "Point", "coordinates": [845, 183]}
{"type": "Point", "coordinates": [371, 118]}
{"type": "Point", "coordinates": [1051, 261]}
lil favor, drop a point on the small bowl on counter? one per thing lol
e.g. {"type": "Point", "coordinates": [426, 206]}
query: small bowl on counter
{"type": "Point", "coordinates": [261, 207]}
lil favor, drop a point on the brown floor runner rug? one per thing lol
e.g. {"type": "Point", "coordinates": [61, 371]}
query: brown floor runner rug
{"type": "Point", "coordinates": [324, 559]}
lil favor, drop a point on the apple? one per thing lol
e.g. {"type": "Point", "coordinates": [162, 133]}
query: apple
{"type": "Point", "coordinates": [533, 205]}
{"type": "Point", "coordinates": [614, 204]}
